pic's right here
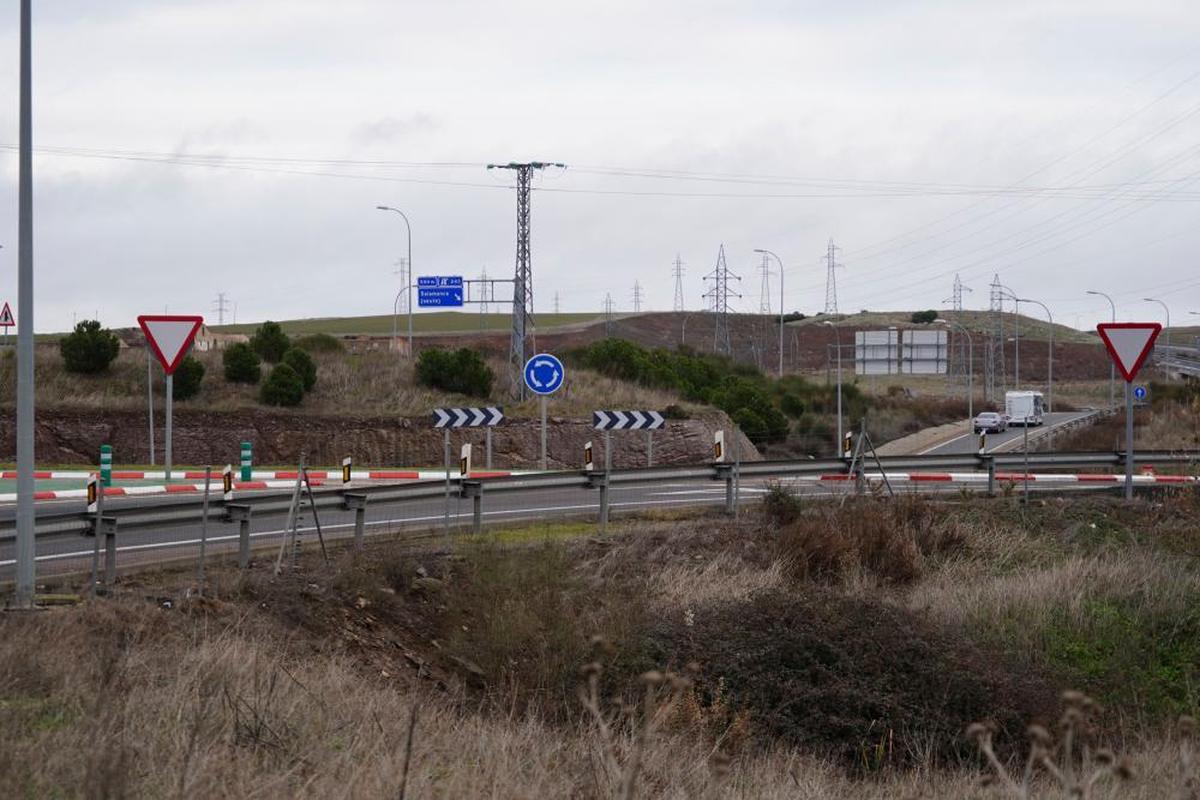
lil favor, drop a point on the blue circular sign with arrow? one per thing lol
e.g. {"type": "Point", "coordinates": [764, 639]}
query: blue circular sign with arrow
{"type": "Point", "coordinates": [544, 374]}
{"type": "Point", "coordinates": [1139, 392]}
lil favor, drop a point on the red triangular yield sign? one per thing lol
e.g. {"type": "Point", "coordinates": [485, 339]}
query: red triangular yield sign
{"type": "Point", "coordinates": [170, 337]}
{"type": "Point", "coordinates": [6, 317]}
{"type": "Point", "coordinates": [1129, 343]}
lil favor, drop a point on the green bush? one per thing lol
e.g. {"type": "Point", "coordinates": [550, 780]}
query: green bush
{"type": "Point", "coordinates": [924, 317]}
{"type": "Point", "coordinates": [319, 343]}
{"type": "Point", "coordinates": [241, 364]}
{"type": "Point", "coordinates": [304, 365]}
{"type": "Point", "coordinates": [270, 342]}
{"type": "Point", "coordinates": [283, 387]}
{"type": "Point", "coordinates": [185, 383]}
{"type": "Point", "coordinates": [791, 405]}
{"type": "Point", "coordinates": [461, 371]}
{"type": "Point", "coordinates": [89, 349]}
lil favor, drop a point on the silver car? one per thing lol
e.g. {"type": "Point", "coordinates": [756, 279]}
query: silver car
{"type": "Point", "coordinates": [991, 422]}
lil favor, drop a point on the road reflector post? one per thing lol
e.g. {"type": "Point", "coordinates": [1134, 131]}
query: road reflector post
{"type": "Point", "coordinates": [982, 442]}
{"type": "Point", "coordinates": [241, 515]}
{"type": "Point", "coordinates": [848, 445]}
{"type": "Point", "coordinates": [227, 483]}
{"type": "Point", "coordinates": [464, 461]}
{"type": "Point", "coordinates": [93, 494]}
{"type": "Point", "coordinates": [247, 460]}
{"type": "Point", "coordinates": [589, 463]}
{"type": "Point", "coordinates": [106, 464]}
{"type": "Point", "coordinates": [719, 447]}
{"type": "Point", "coordinates": [347, 462]}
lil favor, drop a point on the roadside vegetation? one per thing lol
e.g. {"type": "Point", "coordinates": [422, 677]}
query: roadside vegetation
{"type": "Point", "coordinates": [1170, 422]}
{"type": "Point", "coordinates": [887, 648]}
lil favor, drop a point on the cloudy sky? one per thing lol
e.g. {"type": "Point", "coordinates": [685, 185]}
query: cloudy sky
{"type": "Point", "coordinates": [192, 147]}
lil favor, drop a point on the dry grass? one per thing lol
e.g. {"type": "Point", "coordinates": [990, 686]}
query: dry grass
{"type": "Point", "coordinates": [307, 685]}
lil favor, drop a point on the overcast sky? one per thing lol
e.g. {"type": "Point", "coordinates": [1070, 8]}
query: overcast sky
{"type": "Point", "coordinates": [200, 146]}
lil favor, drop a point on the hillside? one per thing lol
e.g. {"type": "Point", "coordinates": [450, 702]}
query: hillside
{"type": "Point", "coordinates": [424, 322]}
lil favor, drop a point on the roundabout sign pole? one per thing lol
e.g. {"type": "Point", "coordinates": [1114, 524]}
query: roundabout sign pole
{"type": "Point", "coordinates": [544, 375]}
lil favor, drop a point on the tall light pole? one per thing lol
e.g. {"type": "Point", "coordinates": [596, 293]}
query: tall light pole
{"type": "Point", "coordinates": [970, 369]}
{"type": "Point", "coordinates": [1166, 373]}
{"type": "Point", "coordinates": [838, 336]}
{"type": "Point", "coordinates": [25, 451]}
{"type": "Point", "coordinates": [1050, 368]}
{"type": "Point", "coordinates": [408, 287]}
{"type": "Point", "coordinates": [1112, 367]}
{"type": "Point", "coordinates": [780, 261]}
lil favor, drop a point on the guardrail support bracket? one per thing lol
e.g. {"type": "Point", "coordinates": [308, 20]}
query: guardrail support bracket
{"type": "Point", "coordinates": [241, 515]}
{"type": "Point", "coordinates": [357, 502]}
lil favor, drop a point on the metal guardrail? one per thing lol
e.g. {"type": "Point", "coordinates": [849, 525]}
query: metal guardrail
{"type": "Point", "coordinates": [138, 514]}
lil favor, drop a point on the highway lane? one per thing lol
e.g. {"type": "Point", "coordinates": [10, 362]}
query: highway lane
{"type": "Point", "coordinates": [419, 520]}
{"type": "Point", "coordinates": [969, 442]}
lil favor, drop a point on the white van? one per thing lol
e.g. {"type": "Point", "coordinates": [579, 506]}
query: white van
{"type": "Point", "coordinates": [1024, 408]}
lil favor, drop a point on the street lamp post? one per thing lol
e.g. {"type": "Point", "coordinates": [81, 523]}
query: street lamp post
{"type": "Point", "coordinates": [970, 369]}
{"type": "Point", "coordinates": [778, 259]}
{"type": "Point", "coordinates": [408, 282]}
{"type": "Point", "coordinates": [1112, 367]}
{"type": "Point", "coordinates": [838, 336]}
{"type": "Point", "coordinates": [1166, 374]}
{"type": "Point", "coordinates": [1050, 367]}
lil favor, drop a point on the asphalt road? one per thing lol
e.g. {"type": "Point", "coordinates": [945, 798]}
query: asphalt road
{"type": "Point", "coordinates": [969, 442]}
{"type": "Point", "coordinates": [411, 520]}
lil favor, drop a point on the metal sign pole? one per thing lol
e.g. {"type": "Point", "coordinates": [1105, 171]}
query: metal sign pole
{"type": "Point", "coordinates": [650, 448]}
{"type": "Point", "coordinates": [167, 445]}
{"type": "Point", "coordinates": [607, 452]}
{"type": "Point", "coordinates": [542, 399]}
{"type": "Point", "coordinates": [150, 399]}
{"type": "Point", "coordinates": [1128, 440]}
{"type": "Point", "coordinates": [489, 446]}
{"type": "Point", "coordinates": [446, 448]}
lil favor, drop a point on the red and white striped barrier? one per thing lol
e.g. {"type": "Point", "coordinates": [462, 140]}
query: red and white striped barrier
{"type": "Point", "coordinates": [263, 475]}
{"type": "Point", "coordinates": [981, 477]}
{"type": "Point", "coordinates": [169, 488]}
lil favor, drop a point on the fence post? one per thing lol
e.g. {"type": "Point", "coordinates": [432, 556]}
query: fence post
{"type": "Point", "coordinates": [247, 460]}
{"type": "Point", "coordinates": [357, 502]}
{"type": "Point", "coordinates": [241, 515]}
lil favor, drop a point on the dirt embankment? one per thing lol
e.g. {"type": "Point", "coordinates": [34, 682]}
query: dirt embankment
{"type": "Point", "coordinates": [74, 436]}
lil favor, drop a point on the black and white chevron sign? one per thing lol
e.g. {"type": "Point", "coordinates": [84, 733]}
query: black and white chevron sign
{"type": "Point", "coordinates": [626, 420]}
{"type": "Point", "coordinates": [467, 417]}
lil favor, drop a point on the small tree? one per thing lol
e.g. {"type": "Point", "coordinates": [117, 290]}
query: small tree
{"type": "Point", "coordinates": [924, 317]}
{"type": "Point", "coordinates": [283, 387]}
{"type": "Point", "coordinates": [241, 364]}
{"type": "Point", "coordinates": [304, 365]}
{"type": "Point", "coordinates": [270, 342]}
{"type": "Point", "coordinates": [187, 378]}
{"type": "Point", "coordinates": [89, 349]}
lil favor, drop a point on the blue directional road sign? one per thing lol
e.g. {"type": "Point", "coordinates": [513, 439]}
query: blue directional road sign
{"type": "Point", "coordinates": [1139, 393]}
{"type": "Point", "coordinates": [439, 291]}
{"type": "Point", "coordinates": [544, 374]}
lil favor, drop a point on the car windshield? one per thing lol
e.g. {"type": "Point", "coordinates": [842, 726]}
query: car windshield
{"type": "Point", "coordinates": [989, 415]}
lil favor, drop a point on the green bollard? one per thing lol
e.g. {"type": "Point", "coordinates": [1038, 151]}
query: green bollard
{"type": "Point", "coordinates": [247, 460]}
{"type": "Point", "coordinates": [106, 464]}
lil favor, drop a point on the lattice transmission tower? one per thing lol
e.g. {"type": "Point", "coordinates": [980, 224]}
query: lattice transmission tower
{"type": "Point", "coordinates": [959, 353]}
{"type": "Point", "coordinates": [764, 292]}
{"type": "Point", "coordinates": [677, 272]}
{"type": "Point", "coordinates": [637, 297]}
{"type": "Point", "coordinates": [718, 302]}
{"type": "Point", "coordinates": [608, 315]}
{"type": "Point", "coordinates": [994, 373]}
{"type": "Point", "coordinates": [523, 277]}
{"type": "Point", "coordinates": [831, 265]}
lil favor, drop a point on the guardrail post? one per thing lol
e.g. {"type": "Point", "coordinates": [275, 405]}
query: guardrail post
{"type": "Point", "coordinates": [474, 491]}
{"type": "Point", "coordinates": [600, 481]}
{"type": "Point", "coordinates": [725, 473]}
{"type": "Point", "coordinates": [357, 502]}
{"type": "Point", "coordinates": [241, 515]}
{"type": "Point", "coordinates": [991, 470]}
{"type": "Point", "coordinates": [108, 529]}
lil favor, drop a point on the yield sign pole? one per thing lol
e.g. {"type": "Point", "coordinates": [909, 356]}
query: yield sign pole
{"type": "Point", "coordinates": [169, 337]}
{"type": "Point", "coordinates": [1129, 343]}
